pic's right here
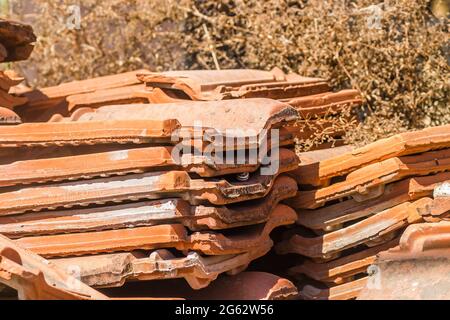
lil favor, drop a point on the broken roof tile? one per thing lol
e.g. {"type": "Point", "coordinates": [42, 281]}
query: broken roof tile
{"type": "Point", "coordinates": [17, 39]}
{"type": "Point", "coordinates": [36, 278]}
{"type": "Point", "coordinates": [216, 85]}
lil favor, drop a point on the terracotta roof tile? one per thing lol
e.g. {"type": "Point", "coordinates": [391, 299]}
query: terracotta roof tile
{"type": "Point", "coordinates": [161, 236]}
{"type": "Point", "coordinates": [112, 270]}
{"type": "Point", "coordinates": [230, 84]}
{"type": "Point", "coordinates": [346, 291]}
{"type": "Point", "coordinates": [399, 145]}
{"type": "Point", "coordinates": [415, 270]}
{"type": "Point", "coordinates": [154, 185]}
{"type": "Point", "coordinates": [149, 213]}
{"type": "Point", "coordinates": [333, 216]}
{"type": "Point", "coordinates": [377, 227]}
{"type": "Point", "coordinates": [95, 132]}
{"type": "Point", "coordinates": [36, 278]}
{"type": "Point", "coordinates": [369, 181]}
{"type": "Point", "coordinates": [339, 270]}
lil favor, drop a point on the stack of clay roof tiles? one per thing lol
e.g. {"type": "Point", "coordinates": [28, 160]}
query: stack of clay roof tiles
{"type": "Point", "coordinates": [93, 181]}
{"type": "Point", "coordinates": [312, 97]}
{"type": "Point", "coordinates": [115, 203]}
{"type": "Point", "coordinates": [354, 205]}
{"type": "Point", "coordinates": [111, 181]}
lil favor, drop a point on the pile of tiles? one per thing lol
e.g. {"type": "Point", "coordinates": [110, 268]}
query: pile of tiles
{"type": "Point", "coordinates": [353, 205]}
{"type": "Point", "coordinates": [149, 215]}
{"type": "Point", "coordinates": [134, 210]}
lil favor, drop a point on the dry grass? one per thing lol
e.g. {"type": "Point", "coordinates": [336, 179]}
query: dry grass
{"type": "Point", "coordinates": [395, 52]}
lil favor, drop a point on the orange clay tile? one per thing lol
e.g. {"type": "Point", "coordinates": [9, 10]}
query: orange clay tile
{"type": "Point", "coordinates": [230, 84]}
{"type": "Point", "coordinates": [234, 115]}
{"type": "Point", "coordinates": [424, 237]}
{"type": "Point", "coordinates": [439, 210]}
{"type": "Point", "coordinates": [370, 180]}
{"type": "Point", "coordinates": [113, 270]}
{"type": "Point", "coordinates": [36, 278]}
{"type": "Point", "coordinates": [9, 79]}
{"type": "Point", "coordinates": [43, 103]}
{"type": "Point", "coordinates": [122, 162]}
{"type": "Point", "coordinates": [339, 270]}
{"type": "Point", "coordinates": [161, 236]}
{"type": "Point", "coordinates": [246, 123]}
{"type": "Point", "coordinates": [264, 286]}
{"type": "Point", "coordinates": [149, 213]}
{"type": "Point", "coordinates": [8, 117]}
{"type": "Point", "coordinates": [154, 185]}
{"type": "Point", "coordinates": [83, 86]}
{"type": "Point", "coordinates": [416, 270]}
{"type": "Point", "coordinates": [333, 216]}
{"type": "Point", "coordinates": [315, 156]}
{"type": "Point", "coordinates": [346, 291]}
{"type": "Point", "coordinates": [243, 286]}
{"type": "Point", "coordinates": [376, 227]}
{"type": "Point", "coordinates": [398, 145]}
{"type": "Point", "coordinates": [9, 101]}
{"type": "Point", "coordinates": [113, 96]}
{"type": "Point", "coordinates": [94, 132]}
{"type": "Point", "coordinates": [325, 103]}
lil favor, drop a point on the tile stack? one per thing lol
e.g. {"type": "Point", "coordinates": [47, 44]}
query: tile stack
{"type": "Point", "coordinates": [310, 96]}
{"type": "Point", "coordinates": [46, 102]}
{"type": "Point", "coordinates": [354, 205]}
{"type": "Point", "coordinates": [128, 192]}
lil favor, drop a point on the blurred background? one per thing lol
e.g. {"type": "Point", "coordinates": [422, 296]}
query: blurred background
{"type": "Point", "coordinates": [396, 52]}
